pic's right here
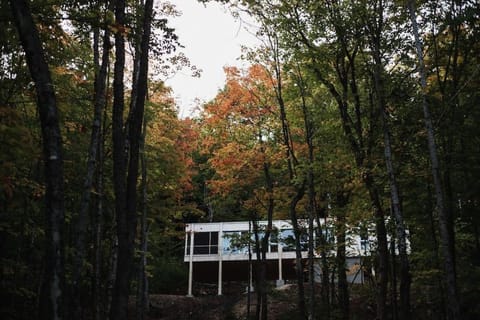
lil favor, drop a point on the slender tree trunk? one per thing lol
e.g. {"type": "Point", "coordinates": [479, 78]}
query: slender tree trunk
{"type": "Point", "coordinates": [112, 274]}
{"type": "Point", "coordinates": [249, 289]}
{"type": "Point", "coordinates": [127, 209]}
{"type": "Point", "coordinates": [401, 234]}
{"type": "Point", "coordinates": [142, 290]}
{"type": "Point", "coordinates": [311, 206]}
{"type": "Point", "coordinates": [100, 305]}
{"type": "Point", "coordinates": [291, 163]}
{"type": "Point", "coordinates": [405, 278]}
{"type": "Point", "coordinates": [97, 220]}
{"type": "Point", "coordinates": [259, 285]}
{"type": "Point", "coordinates": [52, 296]}
{"type": "Point", "coordinates": [450, 78]}
{"type": "Point", "coordinates": [118, 309]}
{"type": "Point", "coordinates": [311, 252]}
{"type": "Point", "coordinates": [98, 297]}
{"type": "Point", "coordinates": [266, 238]}
{"type": "Point", "coordinates": [92, 157]}
{"type": "Point", "coordinates": [382, 248]}
{"type": "Point", "coordinates": [355, 139]}
{"type": "Point", "coordinates": [302, 309]}
{"type": "Point", "coordinates": [342, 284]}
{"type": "Point", "coordinates": [322, 236]}
{"type": "Point", "coordinates": [446, 242]}
{"type": "Point", "coordinates": [393, 273]}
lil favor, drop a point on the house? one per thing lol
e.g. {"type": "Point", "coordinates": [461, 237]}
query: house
{"type": "Point", "coordinates": [219, 251]}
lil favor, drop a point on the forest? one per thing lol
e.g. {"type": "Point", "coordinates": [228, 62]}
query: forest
{"type": "Point", "coordinates": [363, 112]}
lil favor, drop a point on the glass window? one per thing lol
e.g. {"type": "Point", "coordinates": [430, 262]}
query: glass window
{"type": "Point", "coordinates": [287, 238]}
{"type": "Point", "coordinates": [235, 242]}
{"type": "Point", "coordinates": [274, 241]}
{"type": "Point", "coordinates": [205, 243]}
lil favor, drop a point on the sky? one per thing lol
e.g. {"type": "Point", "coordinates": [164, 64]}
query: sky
{"type": "Point", "coordinates": [212, 39]}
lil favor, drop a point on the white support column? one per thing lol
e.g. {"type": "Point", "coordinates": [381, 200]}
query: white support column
{"type": "Point", "coordinates": [220, 258]}
{"type": "Point", "coordinates": [280, 281]}
{"type": "Point", "coordinates": [190, 265]}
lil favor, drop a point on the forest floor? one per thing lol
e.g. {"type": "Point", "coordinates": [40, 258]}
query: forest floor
{"type": "Point", "coordinates": [230, 306]}
{"type": "Point", "coordinates": [214, 307]}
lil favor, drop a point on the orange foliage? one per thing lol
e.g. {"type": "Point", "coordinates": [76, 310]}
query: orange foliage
{"type": "Point", "coordinates": [237, 126]}
{"type": "Point", "coordinates": [170, 140]}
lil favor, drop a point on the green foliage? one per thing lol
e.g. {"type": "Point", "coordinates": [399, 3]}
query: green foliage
{"type": "Point", "coordinates": [212, 167]}
{"type": "Point", "coordinates": [168, 275]}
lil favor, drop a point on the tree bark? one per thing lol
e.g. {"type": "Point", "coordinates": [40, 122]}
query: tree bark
{"type": "Point", "coordinates": [52, 296]}
{"type": "Point", "coordinates": [118, 309]}
{"type": "Point", "coordinates": [292, 162]}
{"type": "Point", "coordinates": [446, 242]}
{"type": "Point", "coordinates": [341, 224]}
{"type": "Point", "coordinates": [378, 70]}
{"type": "Point", "coordinates": [311, 206]}
{"type": "Point", "coordinates": [98, 297]}
{"type": "Point", "coordinates": [142, 290]}
{"type": "Point", "coordinates": [382, 247]}
{"type": "Point", "coordinates": [127, 207]}
{"type": "Point", "coordinates": [82, 219]}
{"type": "Point", "coordinates": [302, 309]}
{"type": "Point", "coordinates": [262, 272]}
{"type": "Point", "coordinates": [260, 285]}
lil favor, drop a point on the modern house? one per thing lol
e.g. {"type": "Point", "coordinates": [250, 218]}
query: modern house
{"type": "Point", "coordinates": [221, 251]}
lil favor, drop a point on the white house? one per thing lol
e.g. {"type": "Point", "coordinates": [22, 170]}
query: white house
{"type": "Point", "coordinates": [220, 250]}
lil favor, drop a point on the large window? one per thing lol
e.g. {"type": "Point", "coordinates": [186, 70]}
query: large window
{"type": "Point", "coordinates": [204, 243]}
{"type": "Point", "coordinates": [287, 238]}
{"type": "Point", "coordinates": [235, 242]}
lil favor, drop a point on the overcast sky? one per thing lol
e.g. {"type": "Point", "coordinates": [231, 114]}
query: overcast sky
{"type": "Point", "coordinates": [212, 40]}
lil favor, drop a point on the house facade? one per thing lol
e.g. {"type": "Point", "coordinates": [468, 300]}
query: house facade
{"type": "Point", "coordinates": [222, 251]}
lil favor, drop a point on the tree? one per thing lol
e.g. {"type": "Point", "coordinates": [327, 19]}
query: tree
{"type": "Point", "coordinates": [52, 304]}
{"type": "Point", "coordinates": [375, 25]}
{"type": "Point", "coordinates": [125, 177]}
{"type": "Point", "coordinates": [99, 102]}
{"type": "Point", "coordinates": [241, 138]}
{"type": "Point", "coordinates": [445, 236]}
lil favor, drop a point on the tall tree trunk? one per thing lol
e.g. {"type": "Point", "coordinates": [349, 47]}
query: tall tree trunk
{"type": "Point", "coordinates": [52, 296]}
{"type": "Point", "coordinates": [292, 162]}
{"type": "Point", "coordinates": [378, 71]}
{"type": "Point", "coordinates": [405, 278]}
{"type": "Point", "coordinates": [448, 83]}
{"type": "Point", "coordinates": [265, 240]}
{"type": "Point", "coordinates": [310, 179]}
{"type": "Point", "coordinates": [102, 287]}
{"type": "Point", "coordinates": [322, 235]}
{"type": "Point", "coordinates": [112, 273]}
{"type": "Point", "coordinates": [382, 247]}
{"type": "Point", "coordinates": [354, 133]}
{"type": "Point", "coordinates": [82, 219]}
{"type": "Point", "coordinates": [341, 225]}
{"type": "Point", "coordinates": [118, 309]}
{"type": "Point", "coordinates": [446, 242]}
{"type": "Point", "coordinates": [142, 286]}
{"type": "Point", "coordinates": [249, 288]}
{"type": "Point", "coordinates": [302, 309]}
{"type": "Point", "coordinates": [361, 140]}
{"type": "Point", "coordinates": [393, 276]}
{"type": "Point", "coordinates": [97, 296]}
{"type": "Point", "coordinates": [259, 275]}
{"type": "Point", "coordinates": [127, 207]}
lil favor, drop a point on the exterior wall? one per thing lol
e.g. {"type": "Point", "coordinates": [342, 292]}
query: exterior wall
{"type": "Point", "coordinates": [221, 248]}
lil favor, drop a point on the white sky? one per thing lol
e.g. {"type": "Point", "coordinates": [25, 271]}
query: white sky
{"type": "Point", "coordinates": [212, 39]}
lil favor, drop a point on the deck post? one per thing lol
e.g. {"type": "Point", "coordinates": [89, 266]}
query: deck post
{"type": "Point", "coordinates": [220, 258]}
{"type": "Point", "coordinates": [280, 281]}
{"type": "Point", "coordinates": [190, 265]}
